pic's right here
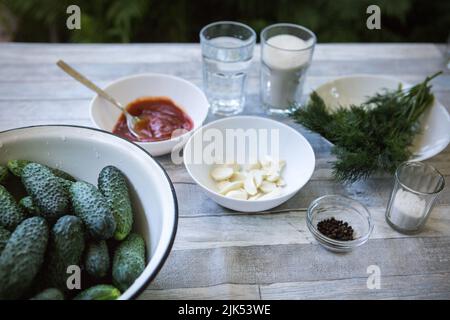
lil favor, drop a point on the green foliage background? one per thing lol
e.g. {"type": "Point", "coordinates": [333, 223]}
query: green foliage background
{"type": "Point", "coordinates": [181, 20]}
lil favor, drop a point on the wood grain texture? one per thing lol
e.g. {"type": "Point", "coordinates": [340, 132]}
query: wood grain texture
{"type": "Point", "coordinates": [302, 262]}
{"type": "Point", "coordinates": [223, 254]}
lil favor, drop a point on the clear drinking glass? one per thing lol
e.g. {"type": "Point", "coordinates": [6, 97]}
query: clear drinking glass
{"type": "Point", "coordinates": [286, 52]}
{"type": "Point", "coordinates": [227, 50]}
{"type": "Point", "coordinates": [447, 53]}
{"type": "Point", "coordinates": [416, 188]}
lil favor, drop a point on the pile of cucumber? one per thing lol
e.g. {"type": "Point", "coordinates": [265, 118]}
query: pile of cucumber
{"type": "Point", "coordinates": [57, 234]}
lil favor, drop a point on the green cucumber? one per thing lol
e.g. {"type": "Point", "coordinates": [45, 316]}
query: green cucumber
{"type": "Point", "coordinates": [112, 184]}
{"type": "Point", "coordinates": [11, 214]}
{"type": "Point", "coordinates": [129, 261]}
{"type": "Point", "coordinates": [49, 294]}
{"type": "Point", "coordinates": [48, 194]}
{"type": "Point", "coordinates": [99, 292]}
{"type": "Point", "coordinates": [92, 208]}
{"type": "Point", "coordinates": [97, 260]}
{"type": "Point", "coordinates": [22, 257]}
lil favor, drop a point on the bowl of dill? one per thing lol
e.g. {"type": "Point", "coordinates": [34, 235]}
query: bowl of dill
{"type": "Point", "coordinates": [375, 123]}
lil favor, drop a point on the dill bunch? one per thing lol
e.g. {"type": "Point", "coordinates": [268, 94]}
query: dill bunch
{"type": "Point", "coordinates": [372, 137]}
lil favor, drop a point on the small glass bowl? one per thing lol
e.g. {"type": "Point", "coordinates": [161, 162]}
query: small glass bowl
{"type": "Point", "coordinates": [341, 208]}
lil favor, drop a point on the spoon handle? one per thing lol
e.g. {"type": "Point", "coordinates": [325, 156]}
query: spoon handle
{"type": "Point", "coordinates": [77, 76]}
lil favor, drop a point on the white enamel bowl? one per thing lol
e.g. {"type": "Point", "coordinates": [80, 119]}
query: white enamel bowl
{"type": "Point", "coordinates": [83, 152]}
{"type": "Point", "coordinates": [293, 148]}
{"type": "Point", "coordinates": [185, 94]}
{"type": "Point", "coordinates": [435, 122]}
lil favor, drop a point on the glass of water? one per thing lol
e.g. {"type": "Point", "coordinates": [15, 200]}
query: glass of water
{"type": "Point", "coordinates": [447, 53]}
{"type": "Point", "coordinates": [286, 53]}
{"type": "Point", "coordinates": [227, 50]}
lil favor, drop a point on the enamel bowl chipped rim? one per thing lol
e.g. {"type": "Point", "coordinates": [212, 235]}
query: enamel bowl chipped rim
{"type": "Point", "coordinates": [354, 89]}
{"type": "Point", "coordinates": [183, 93]}
{"type": "Point", "coordinates": [83, 152]}
{"type": "Point", "coordinates": [300, 162]}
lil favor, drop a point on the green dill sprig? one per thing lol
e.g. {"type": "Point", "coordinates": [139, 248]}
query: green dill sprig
{"type": "Point", "coordinates": [372, 137]}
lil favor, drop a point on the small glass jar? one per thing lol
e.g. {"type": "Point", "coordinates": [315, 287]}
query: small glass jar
{"type": "Point", "coordinates": [340, 208]}
{"type": "Point", "coordinates": [416, 188]}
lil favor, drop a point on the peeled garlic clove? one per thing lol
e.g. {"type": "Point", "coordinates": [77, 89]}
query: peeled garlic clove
{"type": "Point", "coordinates": [253, 165]}
{"type": "Point", "coordinates": [238, 176]}
{"type": "Point", "coordinates": [266, 161]}
{"type": "Point", "coordinates": [280, 182]}
{"type": "Point", "coordinates": [258, 176]}
{"type": "Point", "coordinates": [221, 173]}
{"type": "Point", "coordinates": [255, 197]}
{"type": "Point", "coordinates": [231, 186]}
{"type": "Point", "coordinates": [267, 186]}
{"type": "Point", "coordinates": [233, 165]}
{"type": "Point", "coordinates": [273, 176]}
{"type": "Point", "coordinates": [273, 194]}
{"type": "Point", "coordinates": [239, 194]}
{"type": "Point", "coordinates": [222, 184]}
{"type": "Point", "coordinates": [249, 185]}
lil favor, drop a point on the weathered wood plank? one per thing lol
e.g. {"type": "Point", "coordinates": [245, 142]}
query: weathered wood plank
{"type": "Point", "coordinates": [109, 71]}
{"type": "Point", "coordinates": [372, 193]}
{"type": "Point", "coordinates": [299, 263]}
{"type": "Point", "coordinates": [70, 89]}
{"type": "Point", "coordinates": [428, 286]}
{"type": "Point", "coordinates": [219, 292]}
{"type": "Point", "coordinates": [131, 53]}
{"type": "Point", "coordinates": [206, 232]}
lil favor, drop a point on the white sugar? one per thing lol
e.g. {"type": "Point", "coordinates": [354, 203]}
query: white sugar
{"type": "Point", "coordinates": [407, 210]}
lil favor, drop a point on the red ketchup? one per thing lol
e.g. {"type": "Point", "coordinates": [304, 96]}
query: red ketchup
{"type": "Point", "coordinates": [159, 118]}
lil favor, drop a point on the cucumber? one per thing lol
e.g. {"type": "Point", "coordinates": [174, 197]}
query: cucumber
{"type": "Point", "coordinates": [99, 292]}
{"type": "Point", "coordinates": [97, 259]}
{"type": "Point", "coordinates": [28, 206]}
{"type": "Point", "coordinates": [16, 167]}
{"type": "Point", "coordinates": [112, 184]}
{"type": "Point", "coordinates": [11, 214]}
{"type": "Point", "coordinates": [129, 261]}
{"type": "Point", "coordinates": [48, 194]}
{"type": "Point", "coordinates": [66, 247]}
{"type": "Point", "coordinates": [22, 257]}
{"type": "Point", "coordinates": [49, 294]}
{"type": "Point", "coordinates": [92, 208]}
{"type": "Point", "coordinates": [4, 236]}
{"type": "Point", "coordinates": [4, 173]}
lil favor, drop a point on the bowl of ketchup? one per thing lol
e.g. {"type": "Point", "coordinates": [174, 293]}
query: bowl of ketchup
{"type": "Point", "coordinates": [169, 108]}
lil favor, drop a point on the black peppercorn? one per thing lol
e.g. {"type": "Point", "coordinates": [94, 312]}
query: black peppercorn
{"type": "Point", "coordinates": [335, 229]}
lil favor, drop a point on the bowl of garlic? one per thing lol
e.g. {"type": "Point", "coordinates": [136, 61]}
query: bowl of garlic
{"type": "Point", "coordinates": [249, 163]}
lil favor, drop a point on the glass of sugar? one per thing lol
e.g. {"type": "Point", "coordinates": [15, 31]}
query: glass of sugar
{"type": "Point", "coordinates": [286, 53]}
{"type": "Point", "coordinates": [416, 188]}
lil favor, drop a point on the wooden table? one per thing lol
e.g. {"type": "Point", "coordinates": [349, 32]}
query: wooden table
{"type": "Point", "coordinates": [269, 255]}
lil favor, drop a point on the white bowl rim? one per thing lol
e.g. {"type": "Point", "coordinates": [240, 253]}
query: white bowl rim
{"type": "Point", "coordinates": [168, 249]}
{"type": "Point", "coordinates": [405, 84]}
{"type": "Point", "coordinates": [150, 74]}
{"type": "Point", "coordinates": [288, 195]}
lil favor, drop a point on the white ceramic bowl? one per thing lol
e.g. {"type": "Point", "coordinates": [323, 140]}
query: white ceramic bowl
{"type": "Point", "coordinates": [185, 94]}
{"type": "Point", "coordinates": [435, 122]}
{"type": "Point", "coordinates": [293, 148]}
{"type": "Point", "coordinates": [83, 152]}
